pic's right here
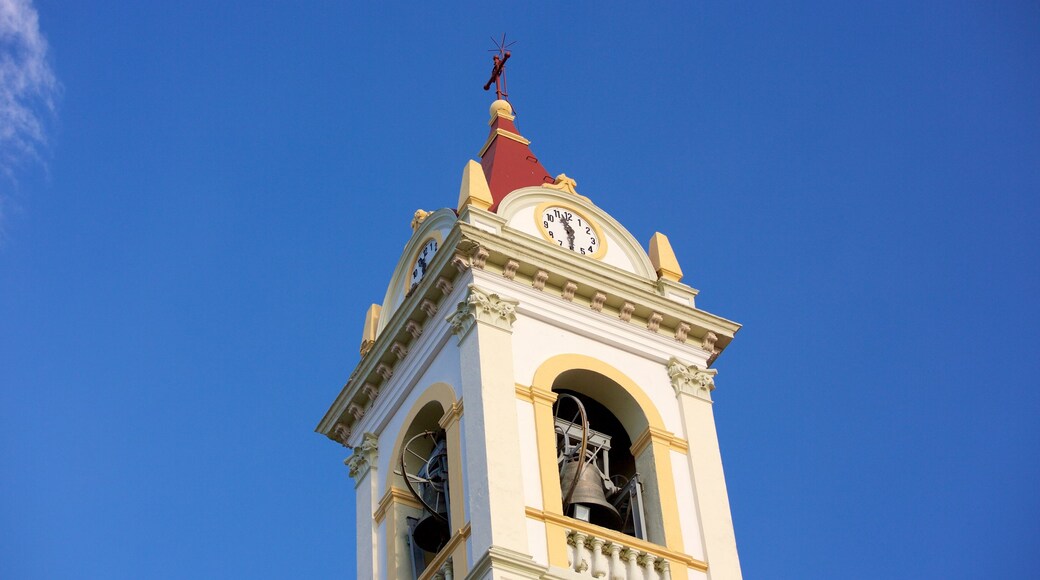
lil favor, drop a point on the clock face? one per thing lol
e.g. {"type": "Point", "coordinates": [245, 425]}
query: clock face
{"type": "Point", "coordinates": [422, 261]}
{"type": "Point", "coordinates": [571, 230]}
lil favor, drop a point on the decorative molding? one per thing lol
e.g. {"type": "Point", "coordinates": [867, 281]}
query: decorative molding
{"type": "Point", "coordinates": [370, 391]}
{"type": "Point", "coordinates": [413, 329]}
{"type": "Point", "coordinates": [654, 322]}
{"type": "Point", "coordinates": [394, 496]}
{"type": "Point", "coordinates": [453, 414]}
{"type": "Point", "coordinates": [480, 256]}
{"type": "Point", "coordinates": [632, 543]}
{"type": "Point", "coordinates": [535, 395]}
{"type": "Point", "coordinates": [340, 433]}
{"type": "Point", "coordinates": [445, 285]}
{"type": "Point", "coordinates": [708, 342]}
{"type": "Point", "coordinates": [514, 564]}
{"type": "Point", "coordinates": [460, 262]}
{"type": "Point", "coordinates": [364, 457]}
{"type": "Point", "coordinates": [384, 371]}
{"type": "Point", "coordinates": [597, 301]}
{"type": "Point", "coordinates": [428, 306]}
{"type": "Point", "coordinates": [568, 291]}
{"type": "Point", "coordinates": [366, 346]}
{"type": "Point", "coordinates": [563, 183]}
{"type": "Point", "coordinates": [539, 280]}
{"type": "Point", "coordinates": [356, 411]}
{"type": "Point", "coordinates": [655, 435]}
{"type": "Point", "coordinates": [399, 350]}
{"type": "Point", "coordinates": [509, 271]}
{"type": "Point", "coordinates": [626, 311]}
{"type": "Point", "coordinates": [419, 217]}
{"type": "Point", "coordinates": [481, 306]}
{"type": "Point", "coordinates": [681, 331]}
{"type": "Point", "coordinates": [691, 380]}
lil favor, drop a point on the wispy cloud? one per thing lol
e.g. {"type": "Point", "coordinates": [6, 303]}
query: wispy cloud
{"type": "Point", "coordinates": [28, 88]}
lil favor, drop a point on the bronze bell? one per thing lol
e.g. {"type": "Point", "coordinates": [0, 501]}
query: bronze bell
{"type": "Point", "coordinates": [432, 532]}
{"type": "Point", "coordinates": [589, 493]}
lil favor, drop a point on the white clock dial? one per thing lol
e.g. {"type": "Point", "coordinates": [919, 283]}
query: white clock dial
{"type": "Point", "coordinates": [422, 261]}
{"type": "Point", "coordinates": [570, 230]}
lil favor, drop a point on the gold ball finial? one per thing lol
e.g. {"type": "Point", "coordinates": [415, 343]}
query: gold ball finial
{"type": "Point", "coordinates": [501, 105]}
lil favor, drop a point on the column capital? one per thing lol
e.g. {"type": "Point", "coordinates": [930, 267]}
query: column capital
{"type": "Point", "coordinates": [363, 458]}
{"type": "Point", "coordinates": [691, 380]}
{"type": "Point", "coordinates": [485, 307]}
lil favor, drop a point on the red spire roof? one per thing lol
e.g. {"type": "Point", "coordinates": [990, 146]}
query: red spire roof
{"type": "Point", "coordinates": [506, 159]}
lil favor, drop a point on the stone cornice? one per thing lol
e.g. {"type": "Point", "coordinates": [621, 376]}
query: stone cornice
{"type": "Point", "coordinates": [691, 380]}
{"type": "Point", "coordinates": [618, 286]}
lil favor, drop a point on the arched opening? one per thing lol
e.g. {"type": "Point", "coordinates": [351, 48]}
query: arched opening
{"type": "Point", "coordinates": [614, 488]}
{"type": "Point", "coordinates": [421, 470]}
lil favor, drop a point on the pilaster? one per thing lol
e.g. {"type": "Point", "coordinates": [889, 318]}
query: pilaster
{"type": "Point", "coordinates": [483, 323]}
{"type": "Point", "coordinates": [693, 386]}
{"type": "Point", "coordinates": [362, 466]}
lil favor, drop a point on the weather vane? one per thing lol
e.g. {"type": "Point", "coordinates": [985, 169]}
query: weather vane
{"type": "Point", "coordinates": [498, 72]}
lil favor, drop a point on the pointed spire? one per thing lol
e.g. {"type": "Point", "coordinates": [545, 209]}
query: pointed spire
{"type": "Point", "coordinates": [474, 190]}
{"type": "Point", "coordinates": [663, 258]}
{"type": "Point", "coordinates": [507, 160]}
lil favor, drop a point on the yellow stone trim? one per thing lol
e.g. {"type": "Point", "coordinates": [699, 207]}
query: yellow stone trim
{"type": "Point", "coordinates": [600, 252]}
{"type": "Point", "coordinates": [535, 395]}
{"type": "Point", "coordinates": [394, 496]}
{"type": "Point", "coordinates": [457, 543]}
{"type": "Point", "coordinates": [655, 435]}
{"type": "Point", "coordinates": [498, 114]}
{"type": "Point", "coordinates": [662, 257]}
{"type": "Point", "coordinates": [451, 416]}
{"type": "Point", "coordinates": [502, 133]}
{"type": "Point", "coordinates": [566, 523]}
{"type": "Point", "coordinates": [544, 377]}
{"type": "Point", "coordinates": [548, 371]}
{"type": "Point", "coordinates": [474, 189]}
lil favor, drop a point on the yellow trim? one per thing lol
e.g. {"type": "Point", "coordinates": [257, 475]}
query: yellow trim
{"type": "Point", "coordinates": [443, 394]}
{"type": "Point", "coordinates": [544, 378]}
{"type": "Point", "coordinates": [457, 543]}
{"type": "Point", "coordinates": [663, 259]}
{"type": "Point", "coordinates": [600, 252]}
{"type": "Point", "coordinates": [498, 114]}
{"type": "Point", "coordinates": [566, 523]}
{"type": "Point", "coordinates": [659, 436]}
{"type": "Point", "coordinates": [548, 371]}
{"type": "Point", "coordinates": [474, 189]}
{"type": "Point", "coordinates": [394, 496]}
{"type": "Point", "coordinates": [502, 133]}
{"type": "Point", "coordinates": [451, 416]}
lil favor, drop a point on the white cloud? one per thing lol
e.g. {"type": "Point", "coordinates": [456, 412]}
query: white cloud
{"type": "Point", "coordinates": [28, 87]}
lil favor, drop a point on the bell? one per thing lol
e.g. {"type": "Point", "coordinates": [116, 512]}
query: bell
{"type": "Point", "coordinates": [431, 533]}
{"type": "Point", "coordinates": [589, 495]}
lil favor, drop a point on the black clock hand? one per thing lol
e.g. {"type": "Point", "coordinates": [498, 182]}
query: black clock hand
{"type": "Point", "coordinates": [570, 231]}
{"type": "Point", "coordinates": [422, 266]}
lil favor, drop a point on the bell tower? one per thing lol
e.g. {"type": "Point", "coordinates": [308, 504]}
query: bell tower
{"type": "Point", "coordinates": [534, 394]}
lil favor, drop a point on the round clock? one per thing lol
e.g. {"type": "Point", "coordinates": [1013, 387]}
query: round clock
{"type": "Point", "coordinates": [422, 261]}
{"type": "Point", "coordinates": [569, 229]}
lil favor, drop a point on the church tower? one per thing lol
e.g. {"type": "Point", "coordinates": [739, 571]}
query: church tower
{"type": "Point", "coordinates": [534, 395]}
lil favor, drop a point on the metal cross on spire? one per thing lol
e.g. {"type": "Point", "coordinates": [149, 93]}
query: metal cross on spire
{"type": "Point", "coordinates": [498, 71]}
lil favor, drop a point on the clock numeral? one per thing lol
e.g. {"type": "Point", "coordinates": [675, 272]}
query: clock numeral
{"type": "Point", "coordinates": [553, 236]}
{"type": "Point", "coordinates": [591, 250]}
{"type": "Point", "coordinates": [545, 224]}
{"type": "Point", "coordinates": [583, 251]}
{"type": "Point", "coordinates": [550, 218]}
{"type": "Point", "coordinates": [593, 241]}
{"type": "Point", "coordinates": [561, 242]}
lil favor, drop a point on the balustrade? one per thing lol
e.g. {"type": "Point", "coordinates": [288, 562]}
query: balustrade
{"type": "Point", "coordinates": [609, 559]}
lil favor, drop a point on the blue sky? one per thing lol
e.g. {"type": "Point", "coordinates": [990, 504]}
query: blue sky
{"type": "Point", "coordinates": [199, 200]}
